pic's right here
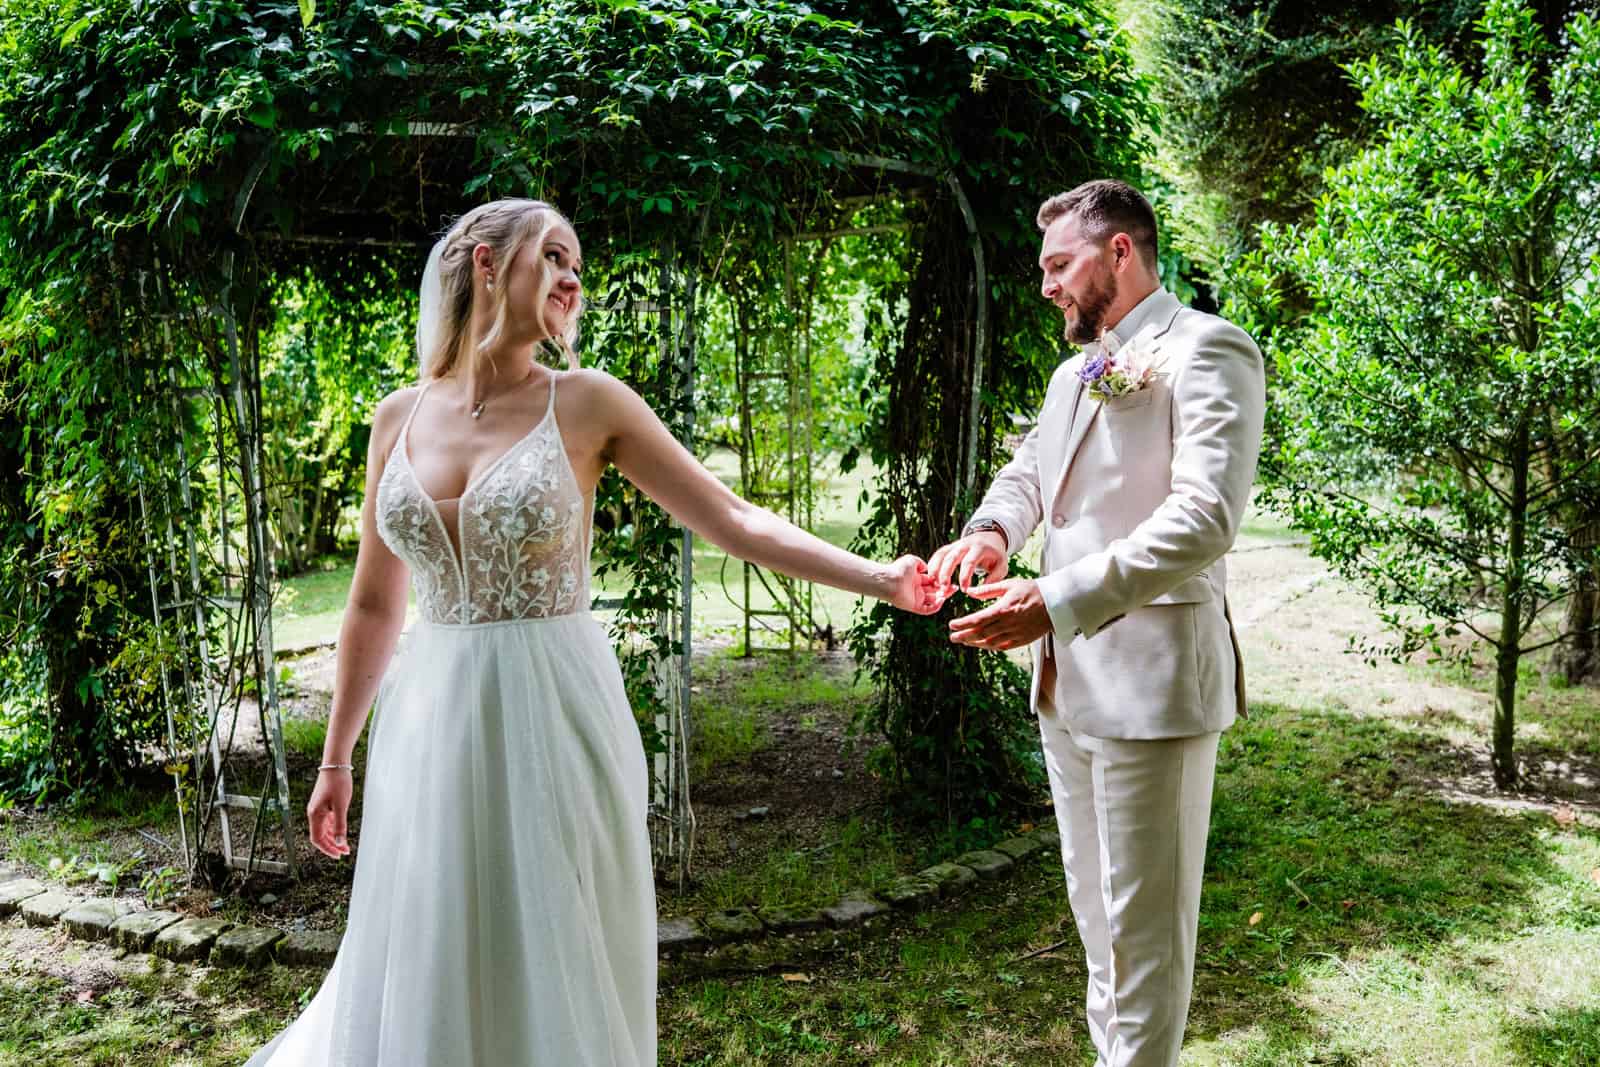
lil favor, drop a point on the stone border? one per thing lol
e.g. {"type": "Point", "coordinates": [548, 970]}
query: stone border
{"type": "Point", "coordinates": [166, 933]}
{"type": "Point", "coordinates": [223, 944]}
{"type": "Point", "coordinates": [908, 893]}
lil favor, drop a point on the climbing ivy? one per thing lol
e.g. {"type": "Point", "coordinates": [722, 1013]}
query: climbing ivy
{"type": "Point", "coordinates": [133, 134]}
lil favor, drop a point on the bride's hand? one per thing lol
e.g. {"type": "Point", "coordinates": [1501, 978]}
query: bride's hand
{"type": "Point", "coordinates": [914, 589]}
{"type": "Point", "coordinates": [326, 811]}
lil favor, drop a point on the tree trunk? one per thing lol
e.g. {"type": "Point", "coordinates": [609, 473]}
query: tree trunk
{"type": "Point", "coordinates": [1503, 748]}
{"type": "Point", "coordinates": [319, 493]}
{"type": "Point", "coordinates": [75, 706]}
{"type": "Point", "coordinates": [1578, 659]}
{"type": "Point", "coordinates": [1508, 650]}
{"type": "Point", "coordinates": [952, 717]}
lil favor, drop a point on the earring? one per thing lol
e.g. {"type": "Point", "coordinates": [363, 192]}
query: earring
{"type": "Point", "coordinates": [488, 285]}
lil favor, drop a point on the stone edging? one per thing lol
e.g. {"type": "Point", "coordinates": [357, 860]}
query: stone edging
{"type": "Point", "coordinates": [166, 933]}
{"type": "Point", "coordinates": [221, 943]}
{"type": "Point", "coordinates": [912, 892]}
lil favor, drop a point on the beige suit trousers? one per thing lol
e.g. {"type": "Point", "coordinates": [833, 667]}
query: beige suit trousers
{"type": "Point", "coordinates": [1134, 817]}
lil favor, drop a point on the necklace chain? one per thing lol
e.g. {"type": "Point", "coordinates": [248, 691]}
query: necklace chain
{"type": "Point", "coordinates": [477, 408]}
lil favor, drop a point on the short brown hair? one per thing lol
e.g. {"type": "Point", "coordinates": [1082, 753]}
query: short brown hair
{"type": "Point", "coordinates": [1104, 207]}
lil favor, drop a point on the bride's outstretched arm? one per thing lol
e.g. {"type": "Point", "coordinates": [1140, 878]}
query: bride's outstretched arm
{"type": "Point", "coordinates": [651, 458]}
{"type": "Point", "coordinates": [373, 618]}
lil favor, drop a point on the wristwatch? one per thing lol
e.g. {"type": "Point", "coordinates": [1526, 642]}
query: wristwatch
{"type": "Point", "coordinates": [984, 524]}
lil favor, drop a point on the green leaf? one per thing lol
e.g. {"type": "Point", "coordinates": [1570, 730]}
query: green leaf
{"type": "Point", "coordinates": [308, 12]}
{"type": "Point", "coordinates": [70, 35]}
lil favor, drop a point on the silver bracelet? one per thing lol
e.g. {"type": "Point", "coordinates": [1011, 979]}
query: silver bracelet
{"type": "Point", "coordinates": [336, 767]}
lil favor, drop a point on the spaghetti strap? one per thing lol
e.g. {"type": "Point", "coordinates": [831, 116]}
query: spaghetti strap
{"type": "Point", "coordinates": [415, 404]}
{"type": "Point", "coordinates": [550, 407]}
{"type": "Point", "coordinates": [405, 427]}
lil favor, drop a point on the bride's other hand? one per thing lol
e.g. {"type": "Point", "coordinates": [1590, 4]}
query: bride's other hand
{"type": "Point", "coordinates": [326, 811]}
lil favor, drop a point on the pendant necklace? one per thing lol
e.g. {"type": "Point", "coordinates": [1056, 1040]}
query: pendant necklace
{"type": "Point", "coordinates": [477, 409]}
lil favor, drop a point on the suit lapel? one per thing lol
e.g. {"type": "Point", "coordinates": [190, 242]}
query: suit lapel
{"type": "Point", "coordinates": [1084, 410]}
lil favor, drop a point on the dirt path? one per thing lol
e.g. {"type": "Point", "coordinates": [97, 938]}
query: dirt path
{"type": "Point", "coordinates": [1296, 620]}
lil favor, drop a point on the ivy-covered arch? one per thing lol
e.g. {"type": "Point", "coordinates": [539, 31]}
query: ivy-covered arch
{"type": "Point", "coordinates": [687, 140]}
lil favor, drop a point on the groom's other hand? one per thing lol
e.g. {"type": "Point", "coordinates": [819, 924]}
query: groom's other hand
{"type": "Point", "coordinates": [981, 550]}
{"type": "Point", "coordinates": [1017, 617]}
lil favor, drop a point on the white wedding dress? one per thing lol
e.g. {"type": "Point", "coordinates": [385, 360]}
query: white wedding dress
{"type": "Point", "coordinates": [503, 910]}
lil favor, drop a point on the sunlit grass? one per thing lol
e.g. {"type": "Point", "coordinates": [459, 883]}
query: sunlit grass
{"type": "Point", "coordinates": [1393, 925]}
{"type": "Point", "coordinates": [163, 1015]}
{"type": "Point", "coordinates": [1391, 929]}
{"type": "Point", "coordinates": [305, 737]}
{"type": "Point", "coordinates": [308, 608]}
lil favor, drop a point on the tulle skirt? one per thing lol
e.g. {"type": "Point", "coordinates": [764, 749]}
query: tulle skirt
{"type": "Point", "coordinates": [503, 910]}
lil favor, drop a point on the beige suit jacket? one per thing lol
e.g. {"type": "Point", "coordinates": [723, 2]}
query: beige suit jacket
{"type": "Point", "coordinates": [1142, 496]}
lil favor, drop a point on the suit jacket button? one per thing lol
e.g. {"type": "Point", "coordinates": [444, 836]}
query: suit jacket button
{"type": "Point", "coordinates": [1058, 521]}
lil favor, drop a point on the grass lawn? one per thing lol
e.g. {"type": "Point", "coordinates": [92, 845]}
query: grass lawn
{"type": "Point", "coordinates": [308, 608]}
{"type": "Point", "coordinates": [1350, 917]}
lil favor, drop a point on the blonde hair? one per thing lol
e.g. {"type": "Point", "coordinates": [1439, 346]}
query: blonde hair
{"type": "Point", "coordinates": [505, 226]}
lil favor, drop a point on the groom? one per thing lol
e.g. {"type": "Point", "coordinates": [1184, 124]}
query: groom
{"type": "Point", "coordinates": [1140, 467]}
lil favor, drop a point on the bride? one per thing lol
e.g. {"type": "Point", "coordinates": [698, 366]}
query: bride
{"type": "Point", "coordinates": [503, 908]}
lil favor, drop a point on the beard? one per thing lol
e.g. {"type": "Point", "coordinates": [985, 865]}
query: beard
{"type": "Point", "coordinates": [1092, 304]}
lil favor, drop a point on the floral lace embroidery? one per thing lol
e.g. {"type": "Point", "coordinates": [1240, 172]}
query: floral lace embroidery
{"type": "Point", "coordinates": [521, 535]}
{"type": "Point", "coordinates": [410, 525]}
{"type": "Point", "coordinates": [523, 553]}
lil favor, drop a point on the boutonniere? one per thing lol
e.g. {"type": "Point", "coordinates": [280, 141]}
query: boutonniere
{"type": "Point", "coordinates": [1131, 368]}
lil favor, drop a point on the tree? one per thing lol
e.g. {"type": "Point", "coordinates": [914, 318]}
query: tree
{"type": "Point", "coordinates": [1435, 408]}
{"type": "Point", "coordinates": [1255, 104]}
{"type": "Point", "coordinates": [69, 604]}
{"type": "Point", "coordinates": [956, 719]}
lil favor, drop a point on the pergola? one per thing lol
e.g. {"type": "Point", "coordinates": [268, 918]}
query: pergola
{"type": "Point", "coordinates": [398, 219]}
{"type": "Point", "coordinates": [196, 155]}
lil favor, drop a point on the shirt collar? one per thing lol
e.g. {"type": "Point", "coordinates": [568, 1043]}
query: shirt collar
{"type": "Point", "coordinates": [1130, 324]}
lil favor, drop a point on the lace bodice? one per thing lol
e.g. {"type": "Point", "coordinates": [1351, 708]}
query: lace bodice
{"type": "Point", "coordinates": [522, 527]}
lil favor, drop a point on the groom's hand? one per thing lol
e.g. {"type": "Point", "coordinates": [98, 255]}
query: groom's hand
{"type": "Point", "coordinates": [1016, 618]}
{"type": "Point", "coordinates": [981, 550]}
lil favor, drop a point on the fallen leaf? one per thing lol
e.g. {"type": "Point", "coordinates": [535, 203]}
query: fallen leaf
{"type": "Point", "coordinates": [1255, 920]}
{"type": "Point", "coordinates": [1026, 827]}
{"type": "Point", "coordinates": [1594, 876]}
{"type": "Point", "coordinates": [85, 995]}
{"type": "Point", "coordinates": [797, 976]}
{"type": "Point", "coordinates": [1565, 817]}
{"type": "Point", "coordinates": [1347, 904]}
